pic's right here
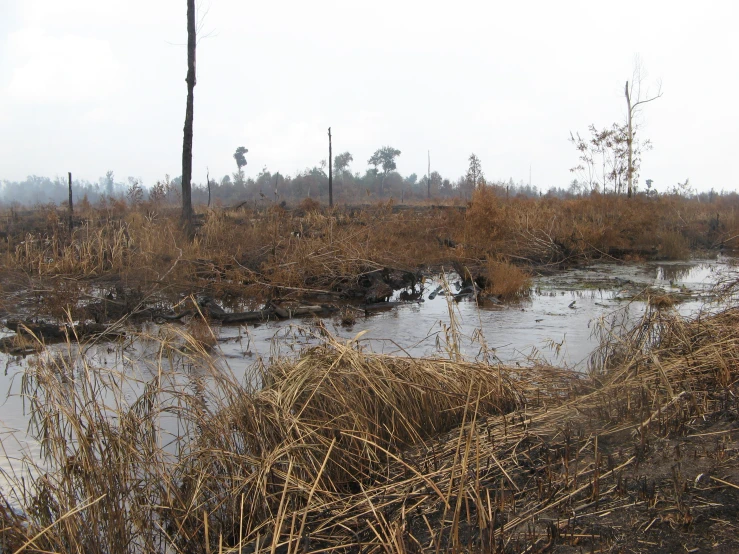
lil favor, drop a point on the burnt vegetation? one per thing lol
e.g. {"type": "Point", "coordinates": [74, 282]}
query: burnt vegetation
{"type": "Point", "coordinates": [347, 451]}
{"type": "Point", "coordinates": [341, 449]}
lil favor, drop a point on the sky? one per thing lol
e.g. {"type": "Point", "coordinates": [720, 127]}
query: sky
{"type": "Point", "coordinates": [89, 86]}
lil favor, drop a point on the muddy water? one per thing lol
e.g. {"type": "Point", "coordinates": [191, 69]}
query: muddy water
{"type": "Point", "coordinates": [556, 324]}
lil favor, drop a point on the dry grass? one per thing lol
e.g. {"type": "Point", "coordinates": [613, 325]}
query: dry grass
{"type": "Point", "coordinates": [114, 478]}
{"type": "Point", "coordinates": [662, 301]}
{"type": "Point", "coordinates": [674, 246]}
{"type": "Point", "coordinates": [344, 450]}
{"type": "Point", "coordinates": [505, 280]}
{"type": "Point", "coordinates": [245, 253]}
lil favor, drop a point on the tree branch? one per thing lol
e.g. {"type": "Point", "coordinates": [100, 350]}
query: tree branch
{"type": "Point", "coordinates": [645, 101]}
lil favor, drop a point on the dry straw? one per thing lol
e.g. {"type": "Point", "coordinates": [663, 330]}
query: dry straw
{"type": "Point", "coordinates": [346, 450]}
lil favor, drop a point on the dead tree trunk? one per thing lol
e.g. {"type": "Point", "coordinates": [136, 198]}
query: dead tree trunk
{"type": "Point", "coordinates": [207, 176]}
{"type": "Point", "coordinates": [629, 141]}
{"type": "Point", "coordinates": [634, 100]}
{"type": "Point", "coordinates": [187, 213]}
{"type": "Point", "coordinates": [330, 173]}
{"type": "Point", "coordinates": [71, 207]}
{"type": "Point", "coordinates": [428, 178]}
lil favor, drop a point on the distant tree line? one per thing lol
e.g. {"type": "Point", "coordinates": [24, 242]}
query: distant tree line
{"type": "Point", "coordinates": [266, 188]}
{"type": "Point", "coordinates": [379, 182]}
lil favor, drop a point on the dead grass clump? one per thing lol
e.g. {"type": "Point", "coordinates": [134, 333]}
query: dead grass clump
{"type": "Point", "coordinates": [674, 246]}
{"type": "Point", "coordinates": [505, 280]}
{"type": "Point", "coordinates": [201, 332]}
{"type": "Point", "coordinates": [344, 450]}
{"type": "Point", "coordinates": [662, 301]}
{"type": "Point", "coordinates": [237, 464]}
{"type": "Point", "coordinates": [309, 204]}
{"type": "Point", "coordinates": [483, 219]}
{"type": "Point", "coordinates": [391, 399]}
{"type": "Point", "coordinates": [347, 316]}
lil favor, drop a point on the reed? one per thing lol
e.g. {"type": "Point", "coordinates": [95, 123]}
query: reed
{"type": "Point", "coordinates": [346, 450]}
{"type": "Point", "coordinates": [267, 253]}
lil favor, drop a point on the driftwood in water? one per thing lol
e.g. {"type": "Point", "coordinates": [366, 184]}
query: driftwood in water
{"type": "Point", "coordinates": [52, 331]}
{"type": "Point", "coordinates": [211, 308]}
{"type": "Point", "coordinates": [380, 306]}
{"type": "Point", "coordinates": [173, 317]}
{"type": "Point", "coordinates": [298, 311]}
{"type": "Point", "coordinates": [379, 285]}
{"type": "Point", "coordinates": [243, 317]}
{"type": "Point", "coordinates": [40, 332]}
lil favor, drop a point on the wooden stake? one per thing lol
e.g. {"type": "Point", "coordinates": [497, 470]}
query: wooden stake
{"type": "Point", "coordinates": [71, 207]}
{"type": "Point", "coordinates": [428, 178]}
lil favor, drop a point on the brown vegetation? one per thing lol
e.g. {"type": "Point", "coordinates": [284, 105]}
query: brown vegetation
{"type": "Point", "coordinates": [505, 280]}
{"type": "Point", "coordinates": [277, 253]}
{"type": "Point", "coordinates": [346, 451]}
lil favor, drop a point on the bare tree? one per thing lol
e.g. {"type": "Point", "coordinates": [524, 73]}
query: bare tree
{"type": "Point", "coordinates": [475, 176]}
{"type": "Point", "coordinates": [634, 100]}
{"type": "Point", "coordinates": [603, 157]}
{"type": "Point", "coordinates": [207, 180]}
{"type": "Point", "coordinates": [71, 206]}
{"type": "Point", "coordinates": [330, 173]}
{"type": "Point", "coordinates": [187, 213]}
{"type": "Point", "coordinates": [428, 178]}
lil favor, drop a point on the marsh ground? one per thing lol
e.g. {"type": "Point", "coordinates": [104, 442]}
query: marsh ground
{"type": "Point", "coordinates": [162, 449]}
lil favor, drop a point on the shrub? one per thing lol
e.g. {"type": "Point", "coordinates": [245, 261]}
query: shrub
{"type": "Point", "coordinates": [506, 280]}
{"type": "Point", "coordinates": [674, 246]}
{"type": "Point", "coordinates": [310, 205]}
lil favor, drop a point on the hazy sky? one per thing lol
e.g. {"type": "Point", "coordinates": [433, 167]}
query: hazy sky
{"type": "Point", "coordinates": [92, 85]}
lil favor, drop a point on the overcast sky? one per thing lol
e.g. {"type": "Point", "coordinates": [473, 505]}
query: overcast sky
{"type": "Point", "coordinates": [92, 85]}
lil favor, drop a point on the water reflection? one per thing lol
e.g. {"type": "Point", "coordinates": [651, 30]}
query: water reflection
{"type": "Point", "coordinates": [687, 274]}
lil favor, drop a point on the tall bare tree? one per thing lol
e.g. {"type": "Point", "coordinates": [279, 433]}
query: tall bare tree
{"type": "Point", "coordinates": [71, 206]}
{"type": "Point", "coordinates": [330, 173]}
{"type": "Point", "coordinates": [187, 212]}
{"type": "Point", "coordinates": [634, 100]}
{"type": "Point", "coordinates": [428, 178]}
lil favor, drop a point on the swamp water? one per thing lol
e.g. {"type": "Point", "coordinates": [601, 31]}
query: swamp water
{"type": "Point", "coordinates": [558, 324]}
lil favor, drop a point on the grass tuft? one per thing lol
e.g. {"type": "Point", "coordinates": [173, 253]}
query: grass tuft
{"type": "Point", "coordinates": [506, 281]}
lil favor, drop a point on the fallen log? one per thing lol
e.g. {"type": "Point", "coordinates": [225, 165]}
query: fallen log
{"type": "Point", "coordinates": [172, 317]}
{"type": "Point", "coordinates": [55, 331]}
{"type": "Point", "coordinates": [212, 310]}
{"type": "Point", "coordinates": [244, 317]}
{"type": "Point", "coordinates": [42, 332]}
{"type": "Point", "coordinates": [304, 310]}
{"type": "Point", "coordinates": [381, 306]}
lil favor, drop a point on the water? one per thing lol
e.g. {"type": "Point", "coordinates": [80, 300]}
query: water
{"type": "Point", "coordinates": [555, 324]}
{"type": "Point", "coordinates": [543, 326]}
